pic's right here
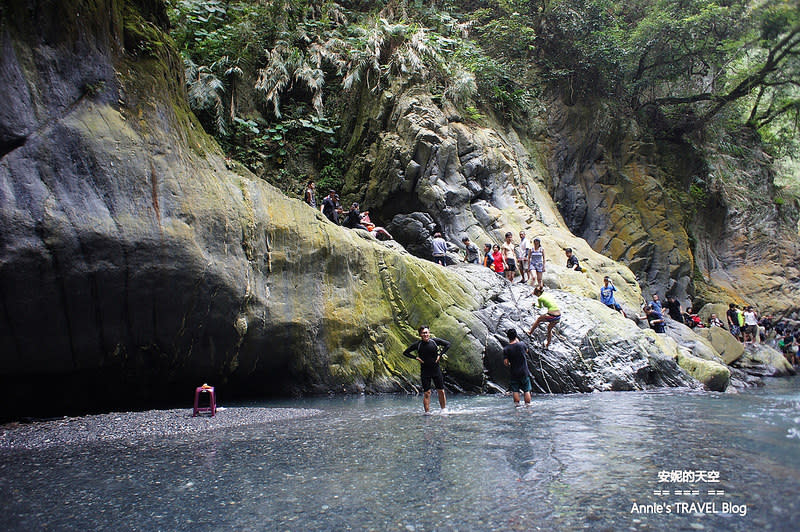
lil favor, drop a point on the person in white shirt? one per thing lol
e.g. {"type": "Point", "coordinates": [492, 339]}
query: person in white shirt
{"type": "Point", "coordinates": [750, 325]}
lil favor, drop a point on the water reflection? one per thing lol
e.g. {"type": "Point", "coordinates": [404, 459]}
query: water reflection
{"type": "Point", "coordinates": [569, 462]}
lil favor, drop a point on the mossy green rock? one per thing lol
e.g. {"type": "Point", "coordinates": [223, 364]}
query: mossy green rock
{"type": "Point", "coordinates": [135, 264]}
{"type": "Point", "coordinates": [713, 375]}
{"type": "Point", "coordinates": [728, 347]}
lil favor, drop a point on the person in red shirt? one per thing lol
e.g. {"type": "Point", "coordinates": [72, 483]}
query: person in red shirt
{"type": "Point", "coordinates": [498, 261]}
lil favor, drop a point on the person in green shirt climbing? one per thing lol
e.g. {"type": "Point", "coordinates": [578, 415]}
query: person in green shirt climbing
{"type": "Point", "coordinates": [552, 316]}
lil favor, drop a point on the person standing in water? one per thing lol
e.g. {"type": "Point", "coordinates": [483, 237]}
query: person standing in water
{"type": "Point", "coordinates": [514, 357]}
{"type": "Point", "coordinates": [428, 355]}
{"type": "Point", "coordinates": [552, 316]}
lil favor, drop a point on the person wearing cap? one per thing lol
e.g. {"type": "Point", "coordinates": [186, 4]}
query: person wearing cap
{"type": "Point", "coordinates": [471, 253]}
{"type": "Point", "coordinates": [607, 295]}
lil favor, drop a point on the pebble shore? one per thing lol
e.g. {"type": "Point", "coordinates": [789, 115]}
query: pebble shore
{"type": "Point", "coordinates": [135, 426]}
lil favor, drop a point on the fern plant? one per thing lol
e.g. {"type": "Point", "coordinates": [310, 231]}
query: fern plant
{"type": "Point", "coordinates": [205, 90]}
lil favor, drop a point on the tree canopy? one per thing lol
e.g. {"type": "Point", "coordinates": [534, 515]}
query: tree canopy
{"type": "Point", "coordinates": [678, 64]}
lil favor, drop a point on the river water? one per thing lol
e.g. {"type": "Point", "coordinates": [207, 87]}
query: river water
{"type": "Point", "coordinates": [661, 460]}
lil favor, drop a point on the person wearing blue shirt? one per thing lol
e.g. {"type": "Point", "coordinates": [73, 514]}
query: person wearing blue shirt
{"type": "Point", "coordinates": [607, 295]}
{"type": "Point", "coordinates": [656, 304]}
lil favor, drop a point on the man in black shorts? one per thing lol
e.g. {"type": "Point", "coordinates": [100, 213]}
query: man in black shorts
{"type": "Point", "coordinates": [428, 355]}
{"type": "Point", "coordinates": [514, 356]}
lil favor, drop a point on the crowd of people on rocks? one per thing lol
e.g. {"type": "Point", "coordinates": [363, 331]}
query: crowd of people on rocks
{"type": "Point", "coordinates": [527, 260]}
{"type": "Point", "coordinates": [354, 218]}
{"type": "Point", "coordinates": [508, 259]}
{"type": "Point", "coordinates": [745, 324]}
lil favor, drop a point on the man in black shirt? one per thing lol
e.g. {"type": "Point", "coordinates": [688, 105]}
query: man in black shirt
{"type": "Point", "coordinates": [514, 356]}
{"type": "Point", "coordinates": [572, 261]}
{"type": "Point", "coordinates": [353, 218]}
{"type": "Point", "coordinates": [328, 207]}
{"type": "Point", "coordinates": [428, 356]}
{"type": "Point", "coordinates": [674, 309]}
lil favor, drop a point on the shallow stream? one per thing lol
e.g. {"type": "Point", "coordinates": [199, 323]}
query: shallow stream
{"type": "Point", "coordinates": [661, 460]}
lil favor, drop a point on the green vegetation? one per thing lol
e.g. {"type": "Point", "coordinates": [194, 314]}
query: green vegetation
{"type": "Point", "coordinates": [677, 67]}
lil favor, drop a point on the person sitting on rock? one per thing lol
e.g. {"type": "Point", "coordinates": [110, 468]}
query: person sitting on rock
{"type": "Point", "coordinates": [572, 261]}
{"type": "Point", "coordinates": [688, 318]}
{"type": "Point", "coordinates": [607, 295]}
{"type": "Point", "coordinates": [551, 317]}
{"type": "Point", "coordinates": [353, 218]}
{"type": "Point", "coordinates": [695, 319]}
{"type": "Point", "coordinates": [714, 321]}
{"type": "Point", "coordinates": [378, 232]}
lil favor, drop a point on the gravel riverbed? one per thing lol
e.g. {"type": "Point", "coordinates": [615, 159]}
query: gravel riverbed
{"type": "Point", "coordinates": [135, 426]}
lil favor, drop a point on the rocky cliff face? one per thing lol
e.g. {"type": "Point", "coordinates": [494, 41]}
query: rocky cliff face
{"type": "Point", "coordinates": [637, 199]}
{"type": "Point", "coordinates": [136, 263]}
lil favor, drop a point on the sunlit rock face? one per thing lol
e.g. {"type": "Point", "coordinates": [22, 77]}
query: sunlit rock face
{"type": "Point", "coordinates": [593, 348]}
{"type": "Point", "coordinates": [617, 188]}
{"type": "Point", "coordinates": [763, 360]}
{"type": "Point", "coordinates": [425, 168]}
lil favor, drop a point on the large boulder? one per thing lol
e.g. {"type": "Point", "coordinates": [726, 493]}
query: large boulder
{"type": "Point", "coordinates": [728, 347]}
{"type": "Point", "coordinates": [713, 375]}
{"type": "Point", "coordinates": [593, 347]}
{"type": "Point", "coordinates": [473, 181]}
{"type": "Point", "coordinates": [764, 361]}
{"type": "Point", "coordinates": [136, 263]}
